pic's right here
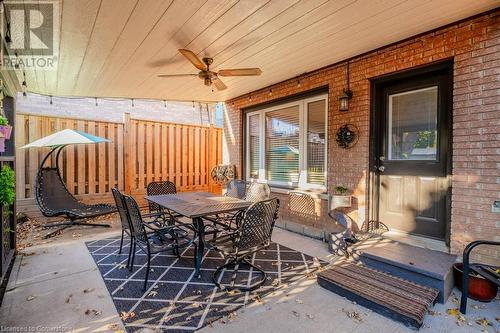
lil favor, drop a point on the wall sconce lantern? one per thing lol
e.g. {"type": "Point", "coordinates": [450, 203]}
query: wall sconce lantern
{"type": "Point", "coordinates": [346, 96]}
{"type": "Point", "coordinates": [344, 100]}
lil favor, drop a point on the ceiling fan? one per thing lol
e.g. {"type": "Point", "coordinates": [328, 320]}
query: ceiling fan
{"type": "Point", "coordinates": [209, 76]}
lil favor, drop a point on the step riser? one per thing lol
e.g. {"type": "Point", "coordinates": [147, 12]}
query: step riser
{"type": "Point", "coordinates": [375, 307]}
{"type": "Point", "coordinates": [444, 286]}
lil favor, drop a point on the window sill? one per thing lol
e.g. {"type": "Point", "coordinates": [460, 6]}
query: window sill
{"type": "Point", "coordinates": [316, 194]}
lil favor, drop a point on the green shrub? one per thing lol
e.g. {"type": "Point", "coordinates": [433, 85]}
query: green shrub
{"type": "Point", "coordinates": [341, 189]}
{"type": "Point", "coordinates": [7, 186]}
{"type": "Point", "coordinates": [3, 121]}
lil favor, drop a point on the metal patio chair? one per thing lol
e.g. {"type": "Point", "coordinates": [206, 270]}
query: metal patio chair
{"type": "Point", "coordinates": [158, 239]}
{"type": "Point", "coordinates": [253, 234]}
{"type": "Point", "coordinates": [124, 220]}
{"type": "Point", "coordinates": [160, 188]}
{"type": "Point", "coordinates": [488, 272]}
{"type": "Point", "coordinates": [236, 188]}
{"type": "Point", "coordinates": [258, 192]}
{"type": "Point", "coordinates": [341, 242]}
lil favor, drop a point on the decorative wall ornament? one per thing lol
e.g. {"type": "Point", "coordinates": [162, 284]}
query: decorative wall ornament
{"type": "Point", "coordinates": [347, 136]}
{"type": "Point", "coordinates": [223, 174]}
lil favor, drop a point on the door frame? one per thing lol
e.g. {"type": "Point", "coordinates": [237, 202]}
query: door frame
{"type": "Point", "coordinates": [376, 85]}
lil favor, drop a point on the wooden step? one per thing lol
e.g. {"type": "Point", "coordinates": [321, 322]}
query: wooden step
{"type": "Point", "coordinates": [390, 296]}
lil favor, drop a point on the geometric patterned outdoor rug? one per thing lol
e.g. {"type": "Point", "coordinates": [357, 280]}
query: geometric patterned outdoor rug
{"type": "Point", "coordinates": [175, 300]}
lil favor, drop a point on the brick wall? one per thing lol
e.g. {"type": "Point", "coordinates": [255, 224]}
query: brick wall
{"type": "Point", "coordinates": [113, 109]}
{"type": "Point", "coordinates": [475, 47]}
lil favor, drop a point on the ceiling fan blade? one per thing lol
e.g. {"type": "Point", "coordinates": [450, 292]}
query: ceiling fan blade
{"type": "Point", "coordinates": [193, 58]}
{"type": "Point", "coordinates": [219, 84]}
{"type": "Point", "coordinates": [240, 72]}
{"type": "Point", "coordinates": [177, 75]}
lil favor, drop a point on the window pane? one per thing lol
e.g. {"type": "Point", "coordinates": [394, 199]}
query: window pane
{"type": "Point", "coordinates": [282, 145]}
{"type": "Point", "coordinates": [413, 124]}
{"type": "Point", "coordinates": [254, 143]}
{"type": "Point", "coordinates": [316, 142]}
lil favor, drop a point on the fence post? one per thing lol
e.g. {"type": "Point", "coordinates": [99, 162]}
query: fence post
{"type": "Point", "coordinates": [126, 153]}
{"type": "Point", "coordinates": [212, 155]}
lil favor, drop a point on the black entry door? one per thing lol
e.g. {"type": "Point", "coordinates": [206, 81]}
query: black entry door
{"type": "Point", "coordinates": [412, 151]}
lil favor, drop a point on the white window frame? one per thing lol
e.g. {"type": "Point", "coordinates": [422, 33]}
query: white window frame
{"type": "Point", "coordinates": [302, 184]}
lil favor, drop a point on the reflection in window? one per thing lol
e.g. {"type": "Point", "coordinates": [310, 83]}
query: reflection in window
{"type": "Point", "coordinates": [316, 134]}
{"type": "Point", "coordinates": [413, 125]}
{"type": "Point", "coordinates": [282, 145]}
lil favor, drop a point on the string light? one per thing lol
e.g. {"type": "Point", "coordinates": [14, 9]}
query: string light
{"type": "Point", "coordinates": [96, 101]}
{"type": "Point", "coordinates": [299, 84]}
{"type": "Point", "coordinates": [165, 103]}
{"type": "Point", "coordinates": [270, 92]}
{"type": "Point", "coordinates": [24, 85]}
{"type": "Point", "coordinates": [133, 102]}
{"type": "Point", "coordinates": [250, 97]}
{"type": "Point", "coordinates": [50, 99]}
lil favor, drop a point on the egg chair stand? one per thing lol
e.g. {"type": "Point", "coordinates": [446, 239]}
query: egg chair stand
{"type": "Point", "coordinates": [54, 199]}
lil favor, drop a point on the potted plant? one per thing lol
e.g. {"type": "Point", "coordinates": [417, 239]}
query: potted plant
{"type": "Point", "coordinates": [341, 197]}
{"type": "Point", "coordinates": [5, 128]}
{"type": "Point", "coordinates": [7, 192]}
{"type": "Point", "coordinates": [5, 132]}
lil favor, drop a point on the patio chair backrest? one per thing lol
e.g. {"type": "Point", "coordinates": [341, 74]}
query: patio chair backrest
{"type": "Point", "coordinates": [236, 188]}
{"type": "Point", "coordinates": [136, 223]}
{"type": "Point", "coordinates": [258, 192]}
{"type": "Point", "coordinates": [122, 210]}
{"type": "Point", "coordinates": [159, 188]}
{"type": "Point", "coordinates": [257, 224]}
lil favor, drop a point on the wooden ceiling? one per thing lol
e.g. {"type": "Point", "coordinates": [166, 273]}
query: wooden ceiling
{"type": "Point", "coordinates": [116, 48]}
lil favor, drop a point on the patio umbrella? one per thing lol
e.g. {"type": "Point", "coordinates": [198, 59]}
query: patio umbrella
{"type": "Point", "coordinates": [64, 138]}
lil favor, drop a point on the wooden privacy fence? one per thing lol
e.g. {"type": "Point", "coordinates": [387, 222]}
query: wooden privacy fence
{"type": "Point", "coordinates": [140, 152]}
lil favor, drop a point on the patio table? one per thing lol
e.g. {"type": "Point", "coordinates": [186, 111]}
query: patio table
{"type": "Point", "coordinates": [196, 205]}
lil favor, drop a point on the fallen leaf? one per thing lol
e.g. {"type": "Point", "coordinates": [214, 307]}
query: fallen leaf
{"type": "Point", "coordinates": [153, 293]}
{"type": "Point", "coordinates": [69, 298]}
{"type": "Point", "coordinates": [299, 301]}
{"type": "Point", "coordinates": [433, 313]}
{"type": "Point", "coordinates": [30, 298]}
{"type": "Point", "coordinates": [126, 315]}
{"type": "Point", "coordinates": [460, 319]}
{"type": "Point", "coordinates": [296, 314]}
{"type": "Point", "coordinates": [483, 322]}
{"type": "Point", "coordinates": [353, 315]}
{"type": "Point", "coordinates": [89, 290]}
{"type": "Point", "coordinates": [310, 316]}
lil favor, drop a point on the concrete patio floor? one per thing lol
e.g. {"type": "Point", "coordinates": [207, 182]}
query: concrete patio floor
{"type": "Point", "coordinates": [56, 284]}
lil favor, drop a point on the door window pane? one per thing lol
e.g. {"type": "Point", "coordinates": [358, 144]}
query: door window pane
{"type": "Point", "coordinates": [413, 125]}
{"type": "Point", "coordinates": [254, 145]}
{"type": "Point", "coordinates": [316, 131]}
{"type": "Point", "coordinates": [282, 145]}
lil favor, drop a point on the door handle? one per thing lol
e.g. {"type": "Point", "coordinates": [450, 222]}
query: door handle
{"type": "Point", "coordinates": [381, 168]}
